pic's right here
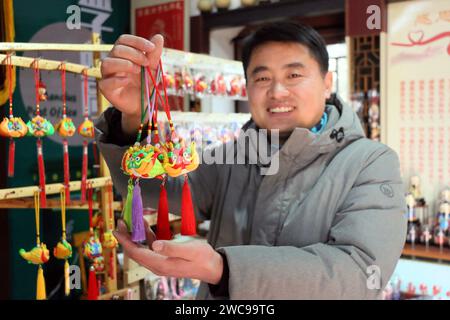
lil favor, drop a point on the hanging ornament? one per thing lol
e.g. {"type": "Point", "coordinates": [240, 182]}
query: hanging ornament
{"type": "Point", "coordinates": [85, 129]}
{"type": "Point", "coordinates": [65, 129]}
{"type": "Point", "coordinates": [179, 159]}
{"type": "Point", "coordinates": [39, 127]}
{"type": "Point", "coordinates": [42, 90]}
{"type": "Point", "coordinates": [63, 249]}
{"type": "Point", "coordinates": [141, 162]}
{"type": "Point", "coordinates": [12, 127]}
{"type": "Point", "coordinates": [92, 247]}
{"type": "Point", "coordinates": [38, 255]}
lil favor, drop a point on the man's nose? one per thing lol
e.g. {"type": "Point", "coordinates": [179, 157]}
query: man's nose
{"type": "Point", "coordinates": [278, 90]}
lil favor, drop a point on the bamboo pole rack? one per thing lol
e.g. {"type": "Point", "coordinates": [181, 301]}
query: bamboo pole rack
{"type": "Point", "coordinates": [24, 46]}
{"type": "Point", "coordinates": [54, 188]}
{"type": "Point", "coordinates": [54, 65]}
{"type": "Point", "coordinates": [19, 195]}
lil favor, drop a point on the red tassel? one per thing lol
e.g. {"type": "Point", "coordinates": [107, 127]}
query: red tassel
{"type": "Point", "coordinates": [111, 265]}
{"type": "Point", "coordinates": [41, 170]}
{"type": "Point", "coordinates": [66, 170]}
{"type": "Point", "coordinates": [188, 224]}
{"type": "Point", "coordinates": [92, 285]}
{"type": "Point", "coordinates": [12, 151]}
{"type": "Point", "coordinates": [162, 225]}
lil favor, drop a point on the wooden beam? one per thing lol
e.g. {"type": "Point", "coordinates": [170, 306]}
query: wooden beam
{"type": "Point", "coordinates": [24, 192]}
{"type": "Point", "coordinates": [272, 12]}
{"type": "Point", "coordinates": [25, 46]}
{"type": "Point", "coordinates": [28, 203]}
{"type": "Point", "coordinates": [53, 65]}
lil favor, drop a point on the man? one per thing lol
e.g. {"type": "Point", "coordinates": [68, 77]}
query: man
{"type": "Point", "coordinates": [328, 224]}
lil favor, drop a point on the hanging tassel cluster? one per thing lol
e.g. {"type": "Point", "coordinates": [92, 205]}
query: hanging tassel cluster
{"type": "Point", "coordinates": [12, 127]}
{"type": "Point", "coordinates": [172, 158]}
{"type": "Point", "coordinates": [40, 127]}
{"type": "Point", "coordinates": [178, 160]}
{"type": "Point", "coordinates": [39, 254]}
{"type": "Point", "coordinates": [86, 129]}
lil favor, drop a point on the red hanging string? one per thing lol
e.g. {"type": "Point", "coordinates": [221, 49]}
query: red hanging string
{"type": "Point", "coordinates": [65, 142]}
{"type": "Point", "coordinates": [10, 67]}
{"type": "Point", "coordinates": [40, 154]}
{"type": "Point", "coordinates": [63, 85]}
{"type": "Point", "coordinates": [111, 265]}
{"type": "Point", "coordinates": [85, 80]}
{"type": "Point", "coordinates": [41, 170]}
{"type": "Point", "coordinates": [36, 82]}
{"type": "Point", "coordinates": [90, 192]}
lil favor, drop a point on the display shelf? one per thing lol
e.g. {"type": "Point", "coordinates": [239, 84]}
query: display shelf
{"type": "Point", "coordinates": [54, 188]}
{"type": "Point", "coordinates": [28, 203]}
{"type": "Point", "coordinates": [45, 64]}
{"type": "Point", "coordinates": [432, 253]}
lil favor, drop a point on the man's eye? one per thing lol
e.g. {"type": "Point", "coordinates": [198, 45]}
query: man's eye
{"type": "Point", "coordinates": [260, 79]}
{"type": "Point", "coordinates": [295, 75]}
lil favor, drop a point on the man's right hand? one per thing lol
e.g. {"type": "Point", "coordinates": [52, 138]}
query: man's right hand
{"type": "Point", "coordinates": [121, 79]}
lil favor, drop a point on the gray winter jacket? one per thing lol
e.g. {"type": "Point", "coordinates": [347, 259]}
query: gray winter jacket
{"type": "Point", "coordinates": [323, 227]}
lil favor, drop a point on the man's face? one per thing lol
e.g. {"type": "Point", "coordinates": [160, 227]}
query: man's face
{"type": "Point", "coordinates": [285, 86]}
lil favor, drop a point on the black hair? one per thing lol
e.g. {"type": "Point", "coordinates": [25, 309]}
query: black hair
{"type": "Point", "coordinates": [287, 32]}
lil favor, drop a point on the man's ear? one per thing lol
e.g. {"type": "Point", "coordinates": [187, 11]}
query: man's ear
{"type": "Point", "coordinates": [328, 84]}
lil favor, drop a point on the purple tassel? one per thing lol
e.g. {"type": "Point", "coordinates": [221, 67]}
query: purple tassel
{"type": "Point", "coordinates": [138, 231]}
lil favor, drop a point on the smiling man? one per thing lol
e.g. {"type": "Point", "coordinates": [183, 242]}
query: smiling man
{"type": "Point", "coordinates": [328, 224]}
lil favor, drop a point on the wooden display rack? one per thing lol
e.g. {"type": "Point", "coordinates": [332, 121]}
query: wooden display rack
{"type": "Point", "coordinates": [21, 197]}
{"type": "Point", "coordinates": [14, 198]}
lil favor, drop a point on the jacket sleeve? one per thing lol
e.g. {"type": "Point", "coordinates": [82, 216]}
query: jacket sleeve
{"type": "Point", "coordinates": [113, 143]}
{"type": "Point", "coordinates": [365, 240]}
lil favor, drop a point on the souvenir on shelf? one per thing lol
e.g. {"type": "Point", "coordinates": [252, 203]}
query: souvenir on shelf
{"type": "Point", "coordinates": [65, 128]}
{"type": "Point", "coordinates": [12, 127]}
{"type": "Point", "coordinates": [416, 190]}
{"type": "Point", "coordinates": [86, 130]}
{"type": "Point", "coordinates": [39, 127]}
{"type": "Point", "coordinates": [235, 86]}
{"type": "Point", "coordinates": [63, 249]}
{"type": "Point", "coordinates": [39, 254]}
{"type": "Point", "coordinates": [200, 85]}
